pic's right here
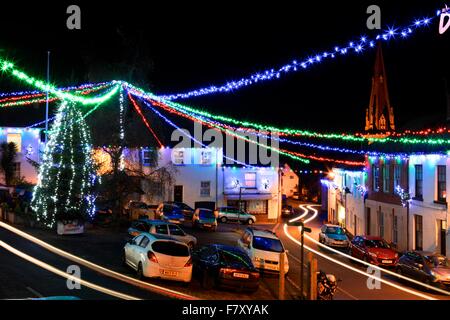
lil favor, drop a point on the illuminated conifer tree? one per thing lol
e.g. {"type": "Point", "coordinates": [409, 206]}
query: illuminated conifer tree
{"type": "Point", "coordinates": [66, 175]}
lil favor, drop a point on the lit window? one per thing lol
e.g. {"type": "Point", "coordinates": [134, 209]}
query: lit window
{"type": "Point", "coordinates": [178, 156]}
{"type": "Point", "coordinates": [205, 188]}
{"type": "Point", "coordinates": [442, 192]}
{"type": "Point", "coordinates": [250, 180]}
{"type": "Point", "coordinates": [16, 138]}
{"type": "Point", "coordinates": [206, 157]}
{"type": "Point", "coordinates": [148, 158]}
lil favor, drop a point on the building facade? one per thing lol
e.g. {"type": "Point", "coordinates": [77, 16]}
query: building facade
{"type": "Point", "coordinates": [29, 148]}
{"type": "Point", "coordinates": [289, 181]}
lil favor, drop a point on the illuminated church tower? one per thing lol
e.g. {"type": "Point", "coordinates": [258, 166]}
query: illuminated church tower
{"type": "Point", "coordinates": [380, 113]}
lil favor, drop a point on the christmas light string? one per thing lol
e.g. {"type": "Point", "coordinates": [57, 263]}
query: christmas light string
{"type": "Point", "coordinates": [294, 155]}
{"type": "Point", "coordinates": [356, 46]}
{"type": "Point", "coordinates": [121, 127]}
{"type": "Point", "coordinates": [190, 136]}
{"type": "Point", "coordinates": [139, 111]}
{"type": "Point", "coordinates": [18, 102]}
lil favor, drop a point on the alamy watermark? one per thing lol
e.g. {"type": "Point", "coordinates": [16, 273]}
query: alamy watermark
{"type": "Point", "coordinates": [74, 280]}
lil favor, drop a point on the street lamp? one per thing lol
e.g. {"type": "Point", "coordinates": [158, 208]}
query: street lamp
{"type": "Point", "coordinates": [303, 229]}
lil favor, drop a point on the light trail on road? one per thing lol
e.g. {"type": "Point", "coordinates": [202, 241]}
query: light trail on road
{"type": "Point", "coordinates": [369, 264]}
{"type": "Point", "coordinates": [418, 294]}
{"type": "Point", "coordinates": [102, 270]}
{"type": "Point", "coordinates": [63, 274]}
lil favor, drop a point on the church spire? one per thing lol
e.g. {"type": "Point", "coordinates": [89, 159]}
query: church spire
{"type": "Point", "coordinates": [380, 113]}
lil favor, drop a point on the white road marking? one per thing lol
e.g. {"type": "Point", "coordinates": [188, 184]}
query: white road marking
{"type": "Point", "coordinates": [66, 275]}
{"type": "Point", "coordinates": [116, 275]}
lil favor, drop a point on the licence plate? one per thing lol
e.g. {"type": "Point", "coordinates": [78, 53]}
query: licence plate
{"type": "Point", "coordinates": [168, 273]}
{"type": "Point", "coordinates": [207, 225]}
{"type": "Point", "coordinates": [173, 221]}
{"type": "Point", "coordinates": [386, 261]}
{"type": "Point", "coordinates": [270, 266]}
{"type": "Point", "coordinates": [240, 275]}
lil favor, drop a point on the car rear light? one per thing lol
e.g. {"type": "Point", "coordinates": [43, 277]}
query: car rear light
{"type": "Point", "coordinates": [188, 263]}
{"type": "Point", "coordinates": [227, 270]}
{"type": "Point", "coordinates": [152, 257]}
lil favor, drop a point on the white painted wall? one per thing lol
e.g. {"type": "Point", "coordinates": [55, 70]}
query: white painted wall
{"type": "Point", "coordinates": [289, 181]}
{"type": "Point", "coordinates": [30, 148]}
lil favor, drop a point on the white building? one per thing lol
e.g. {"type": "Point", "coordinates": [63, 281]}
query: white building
{"type": "Point", "coordinates": [199, 175]}
{"type": "Point", "coordinates": [29, 145]}
{"type": "Point", "coordinates": [289, 181]}
{"type": "Point", "coordinates": [428, 209]}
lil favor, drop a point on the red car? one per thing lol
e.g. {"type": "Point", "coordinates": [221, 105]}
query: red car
{"type": "Point", "coordinates": [374, 250]}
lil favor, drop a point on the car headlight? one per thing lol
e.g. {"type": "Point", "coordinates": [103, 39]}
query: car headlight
{"type": "Point", "coordinates": [374, 255]}
{"type": "Point", "coordinates": [257, 259]}
{"type": "Point", "coordinates": [396, 255]}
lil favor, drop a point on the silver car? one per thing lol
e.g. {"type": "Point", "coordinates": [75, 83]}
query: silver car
{"type": "Point", "coordinates": [230, 214]}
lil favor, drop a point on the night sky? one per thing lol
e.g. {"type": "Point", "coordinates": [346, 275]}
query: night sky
{"type": "Point", "coordinates": [196, 44]}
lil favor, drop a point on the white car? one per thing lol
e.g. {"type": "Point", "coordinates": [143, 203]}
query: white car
{"type": "Point", "coordinates": [333, 236]}
{"type": "Point", "coordinates": [156, 256]}
{"type": "Point", "coordinates": [264, 249]}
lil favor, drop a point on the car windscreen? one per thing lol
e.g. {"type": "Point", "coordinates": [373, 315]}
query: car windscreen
{"type": "Point", "coordinates": [206, 214]}
{"type": "Point", "coordinates": [267, 244]}
{"type": "Point", "coordinates": [377, 244]}
{"type": "Point", "coordinates": [335, 230]}
{"type": "Point", "coordinates": [170, 248]}
{"type": "Point", "coordinates": [234, 257]}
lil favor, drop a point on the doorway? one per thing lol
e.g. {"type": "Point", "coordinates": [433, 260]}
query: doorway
{"type": "Point", "coordinates": [368, 221]}
{"type": "Point", "coordinates": [178, 193]}
{"type": "Point", "coordinates": [442, 229]}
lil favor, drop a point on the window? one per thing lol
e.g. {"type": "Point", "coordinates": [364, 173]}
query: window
{"type": "Point", "coordinates": [441, 183]}
{"type": "Point", "coordinates": [144, 242]}
{"type": "Point", "coordinates": [381, 223]}
{"type": "Point", "coordinates": [16, 170]}
{"type": "Point", "coordinates": [205, 188]}
{"type": "Point", "coordinates": [16, 138]}
{"type": "Point", "coordinates": [161, 229]}
{"type": "Point", "coordinates": [376, 177]}
{"type": "Point", "coordinates": [205, 157]}
{"type": "Point", "coordinates": [419, 181]}
{"type": "Point", "coordinates": [176, 230]}
{"type": "Point", "coordinates": [397, 176]}
{"type": "Point", "coordinates": [394, 228]}
{"type": "Point", "coordinates": [418, 228]}
{"type": "Point", "coordinates": [250, 180]}
{"type": "Point", "coordinates": [170, 248]}
{"type": "Point", "coordinates": [178, 156]}
{"type": "Point", "coordinates": [267, 244]}
{"type": "Point", "coordinates": [148, 158]}
{"type": "Point", "coordinates": [386, 179]}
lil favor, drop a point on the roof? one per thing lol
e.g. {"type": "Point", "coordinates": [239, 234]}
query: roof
{"type": "Point", "coordinates": [332, 225]}
{"type": "Point", "coordinates": [263, 233]}
{"type": "Point", "coordinates": [371, 238]}
{"type": "Point", "coordinates": [151, 221]}
{"type": "Point", "coordinates": [224, 247]}
{"type": "Point", "coordinates": [154, 237]}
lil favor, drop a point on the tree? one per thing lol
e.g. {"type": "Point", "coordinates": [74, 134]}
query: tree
{"type": "Point", "coordinates": [67, 175]}
{"type": "Point", "coordinates": [8, 155]}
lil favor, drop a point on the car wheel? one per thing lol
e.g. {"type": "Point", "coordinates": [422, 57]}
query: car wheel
{"type": "Point", "coordinates": [140, 271]}
{"type": "Point", "coordinates": [250, 221]}
{"type": "Point", "coordinates": [207, 281]}
{"type": "Point", "coordinates": [223, 219]}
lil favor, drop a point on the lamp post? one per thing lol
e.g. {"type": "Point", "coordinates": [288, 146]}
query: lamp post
{"type": "Point", "coordinates": [240, 196]}
{"type": "Point", "coordinates": [302, 256]}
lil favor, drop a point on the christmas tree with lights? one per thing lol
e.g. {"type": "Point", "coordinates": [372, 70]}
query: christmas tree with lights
{"type": "Point", "coordinates": [67, 174]}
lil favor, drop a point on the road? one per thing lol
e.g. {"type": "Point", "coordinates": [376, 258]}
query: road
{"type": "Point", "coordinates": [22, 279]}
{"type": "Point", "coordinates": [353, 285]}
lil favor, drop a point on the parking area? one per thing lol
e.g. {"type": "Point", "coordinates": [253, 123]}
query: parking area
{"type": "Point", "coordinates": [104, 246]}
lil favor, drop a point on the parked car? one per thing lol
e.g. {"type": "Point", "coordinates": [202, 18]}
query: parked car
{"type": "Point", "coordinates": [333, 236]}
{"type": "Point", "coordinates": [287, 211]}
{"type": "Point", "coordinates": [231, 214]}
{"type": "Point", "coordinates": [427, 267]}
{"type": "Point", "coordinates": [157, 256]}
{"type": "Point", "coordinates": [374, 250]}
{"type": "Point", "coordinates": [225, 266]}
{"type": "Point", "coordinates": [264, 249]}
{"type": "Point", "coordinates": [170, 212]}
{"type": "Point", "coordinates": [139, 209]}
{"type": "Point", "coordinates": [185, 209]}
{"type": "Point", "coordinates": [162, 228]}
{"type": "Point", "coordinates": [204, 219]}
